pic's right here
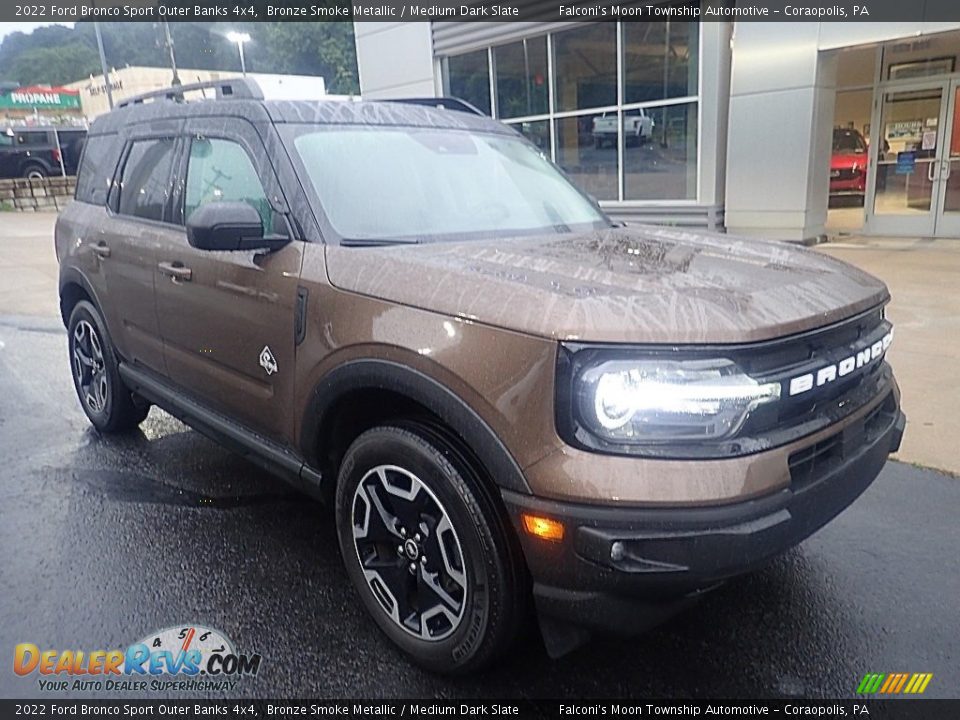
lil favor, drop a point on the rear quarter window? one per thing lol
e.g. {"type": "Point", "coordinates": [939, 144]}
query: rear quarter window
{"type": "Point", "coordinates": [96, 169]}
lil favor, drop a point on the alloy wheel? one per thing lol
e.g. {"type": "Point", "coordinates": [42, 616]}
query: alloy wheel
{"type": "Point", "coordinates": [409, 552]}
{"type": "Point", "coordinates": [89, 369]}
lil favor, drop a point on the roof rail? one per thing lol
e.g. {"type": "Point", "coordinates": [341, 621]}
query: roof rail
{"type": "Point", "coordinates": [229, 89]}
{"type": "Point", "coordinates": [442, 103]}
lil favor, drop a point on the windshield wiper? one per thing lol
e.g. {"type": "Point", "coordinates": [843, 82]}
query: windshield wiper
{"type": "Point", "coordinates": [377, 242]}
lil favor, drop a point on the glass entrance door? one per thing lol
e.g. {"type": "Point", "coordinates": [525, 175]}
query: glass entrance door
{"type": "Point", "coordinates": [906, 149]}
{"type": "Point", "coordinates": [948, 218]}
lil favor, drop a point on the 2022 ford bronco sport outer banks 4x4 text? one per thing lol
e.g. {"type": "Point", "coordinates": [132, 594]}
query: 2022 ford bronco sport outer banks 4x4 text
{"type": "Point", "coordinates": [411, 311]}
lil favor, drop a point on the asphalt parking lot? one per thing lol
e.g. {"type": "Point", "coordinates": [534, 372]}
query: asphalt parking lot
{"type": "Point", "coordinates": [104, 540]}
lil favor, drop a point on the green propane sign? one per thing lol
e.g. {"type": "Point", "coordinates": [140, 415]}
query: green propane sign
{"type": "Point", "coordinates": [41, 98]}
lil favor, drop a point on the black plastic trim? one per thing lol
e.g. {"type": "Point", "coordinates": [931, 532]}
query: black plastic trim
{"type": "Point", "coordinates": [415, 385]}
{"type": "Point", "coordinates": [262, 451]}
{"type": "Point", "coordinates": [665, 556]}
{"type": "Point", "coordinates": [70, 275]}
{"type": "Point", "coordinates": [300, 316]}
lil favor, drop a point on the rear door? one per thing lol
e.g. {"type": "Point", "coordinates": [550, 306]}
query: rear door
{"type": "Point", "coordinates": [227, 318]}
{"type": "Point", "coordinates": [137, 222]}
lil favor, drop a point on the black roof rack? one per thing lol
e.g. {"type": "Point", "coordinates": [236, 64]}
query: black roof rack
{"type": "Point", "coordinates": [230, 89]}
{"type": "Point", "coordinates": [442, 103]}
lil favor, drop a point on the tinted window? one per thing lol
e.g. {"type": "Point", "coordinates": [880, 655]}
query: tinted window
{"type": "Point", "coordinates": [96, 170]}
{"type": "Point", "coordinates": [221, 171]}
{"type": "Point", "coordinates": [32, 138]}
{"type": "Point", "coordinates": [145, 182]}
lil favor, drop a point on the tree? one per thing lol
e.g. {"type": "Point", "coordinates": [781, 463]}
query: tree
{"type": "Point", "coordinates": [54, 66]}
{"type": "Point", "coordinates": [58, 55]}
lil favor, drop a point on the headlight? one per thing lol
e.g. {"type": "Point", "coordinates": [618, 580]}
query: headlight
{"type": "Point", "coordinates": [667, 401]}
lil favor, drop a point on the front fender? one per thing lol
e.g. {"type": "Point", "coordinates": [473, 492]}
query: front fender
{"type": "Point", "coordinates": [364, 374]}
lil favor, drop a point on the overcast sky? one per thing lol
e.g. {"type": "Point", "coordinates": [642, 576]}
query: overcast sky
{"type": "Point", "coordinates": [8, 27]}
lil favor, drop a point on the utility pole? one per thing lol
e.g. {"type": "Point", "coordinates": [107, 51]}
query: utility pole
{"type": "Point", "coordinates": [173, 60]}
{"type": "Point", "coordinates": [103, 64]}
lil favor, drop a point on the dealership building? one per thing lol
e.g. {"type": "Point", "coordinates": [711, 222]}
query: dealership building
{"type": "Point", "coordinates": [789, 130]}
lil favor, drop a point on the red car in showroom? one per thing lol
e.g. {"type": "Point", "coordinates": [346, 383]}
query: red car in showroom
{"type": "Point", "coordinates": [848, 165]}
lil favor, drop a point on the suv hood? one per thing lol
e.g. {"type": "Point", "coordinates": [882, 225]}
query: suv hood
{"type": "Point", "coordinates": [638, 284]}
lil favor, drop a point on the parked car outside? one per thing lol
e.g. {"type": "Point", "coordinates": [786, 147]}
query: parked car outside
{"type": "Point", "coordinates": [31, 152]}
{"type": "Point", "coordinates": [516, 407]}
{"type": "Point", "coordinates": [637, 128]}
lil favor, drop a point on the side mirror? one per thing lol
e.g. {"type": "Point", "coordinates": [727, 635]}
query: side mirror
{"type": "Point", "coordinates": [222, 226]}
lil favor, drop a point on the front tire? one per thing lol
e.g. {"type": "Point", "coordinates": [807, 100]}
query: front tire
{"type": "Point", "coordinates": [427, 549]}
{"type": "Point", "coordinates": [105, 400]}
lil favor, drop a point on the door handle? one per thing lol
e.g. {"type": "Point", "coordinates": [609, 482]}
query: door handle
{"type": "Point", "coordinates": [930, 168]}
{"type": "Point", "coordinates": [945, 172]}
{"type": "Point", "coordinates": [101, 250]}
{"type": "Point", "coordinates": [176, 271]}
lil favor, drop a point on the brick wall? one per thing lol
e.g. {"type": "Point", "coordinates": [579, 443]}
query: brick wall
{"type": "Point", "coordinates": [23, 195]}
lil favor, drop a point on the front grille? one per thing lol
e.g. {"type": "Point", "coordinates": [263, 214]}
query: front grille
{"type": "Point", "coordinates": [812, 463]}
{"type": "Point", "coordinates": [808, 412]}
{"type": "Point", "coordinates": [845, 174]}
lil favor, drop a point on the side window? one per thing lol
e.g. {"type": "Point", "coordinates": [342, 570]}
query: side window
{"type": "Point", "coordinates": [31, 138]}
{"type": "Point", "coordinates": [96, 170]}
{"type": "Point", "coordinates": [221, 171]}
{"type": "Point", "coordinates": [145, 181]}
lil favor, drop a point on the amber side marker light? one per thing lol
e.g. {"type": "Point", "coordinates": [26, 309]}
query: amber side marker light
{"type": "Point", "coordinates": [543, 528]}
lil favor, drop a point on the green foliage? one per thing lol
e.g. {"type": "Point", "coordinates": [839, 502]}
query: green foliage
{"type": "Point", "coordinates": [50, 65]}
{"type": "Point", "coordinates": [59, 55]}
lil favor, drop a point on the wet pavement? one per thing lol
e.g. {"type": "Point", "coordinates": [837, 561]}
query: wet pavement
{"type": "Point", "coordinates": [104, 540]}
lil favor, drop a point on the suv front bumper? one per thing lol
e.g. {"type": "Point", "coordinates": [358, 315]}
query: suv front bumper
{"type": "Point", "coordinates": [628, 568]}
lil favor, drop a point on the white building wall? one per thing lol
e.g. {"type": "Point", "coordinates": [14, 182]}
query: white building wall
{"type": "Point", "coordinates": [395, 59]}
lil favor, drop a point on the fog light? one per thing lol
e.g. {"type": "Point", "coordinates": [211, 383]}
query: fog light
{"type": "Point", "coordinates": [617, 551]}
{"type": "Point", "coordinates": [543, 528]}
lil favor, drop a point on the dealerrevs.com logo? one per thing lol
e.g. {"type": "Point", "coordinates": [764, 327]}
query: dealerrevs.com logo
{"type": "Point", "coordinates": [187, 657]}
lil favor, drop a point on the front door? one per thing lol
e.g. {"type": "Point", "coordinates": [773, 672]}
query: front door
{"type": "Point", "coordinates": [227, 318]}
{"type": "Point", "coordinates": [905, 148]}
{"type": "Point", "coordinates": [915, 152]}
{"type": "Point", "coordinates": [948, 201]}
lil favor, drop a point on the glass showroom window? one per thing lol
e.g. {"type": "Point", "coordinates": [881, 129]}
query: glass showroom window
{"type": "Point", "coordinates": [662, 166]}
{"type": "Point", "coordinates": [623, 131]}
{"type": "Point", "coordinates": [521, 70]}
{"type": "Point", "coordinates": [660, 61]}
{"type": "Point", "coordinates": [585, 67]}
{"type": "Point", "coordinates": [468, 78]}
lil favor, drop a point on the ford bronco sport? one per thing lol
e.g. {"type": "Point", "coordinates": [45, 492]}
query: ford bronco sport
{"type": "Point", "coordinates": [511, 401]}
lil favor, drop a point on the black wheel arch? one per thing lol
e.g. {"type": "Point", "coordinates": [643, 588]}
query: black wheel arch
{"type": "Point", "coordinates": [371, 392]}
{"type": "Point", "coordinates": [35, 162]}
{"type": "Point", "coordinates": [74, 287]}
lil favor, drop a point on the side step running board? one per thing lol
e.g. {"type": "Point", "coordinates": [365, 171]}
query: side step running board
{"type": "Point", "coordinates": [265, 453]}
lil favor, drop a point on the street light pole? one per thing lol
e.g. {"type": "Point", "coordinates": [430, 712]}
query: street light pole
{"type": "Point", "coordinates": [240, 38]}
{"type": "Point", "coordinates": [173, 60]}
{"type": "Point", "coordinates": [103, 64]}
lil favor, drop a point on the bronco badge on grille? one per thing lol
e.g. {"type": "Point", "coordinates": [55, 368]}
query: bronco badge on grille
{"type": "Point", "coordinates": [829, 373]}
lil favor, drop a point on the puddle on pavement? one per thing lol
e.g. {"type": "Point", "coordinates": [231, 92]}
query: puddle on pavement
{"type": "Point", "coordinates": [133, 487]}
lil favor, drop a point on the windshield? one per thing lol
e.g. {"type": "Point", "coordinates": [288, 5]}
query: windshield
{"type": "Point", "coordinates": [847, 142]}
{"type": "Point", "coordinates": [396, 184]}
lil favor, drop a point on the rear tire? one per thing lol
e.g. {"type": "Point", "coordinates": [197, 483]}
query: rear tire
{"type": "Point", "coordinates": [427, 549]}
{"type": "Point", "coordinates": [34, 171]}
{"type": "Point", "coordinates": [105, 400]}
